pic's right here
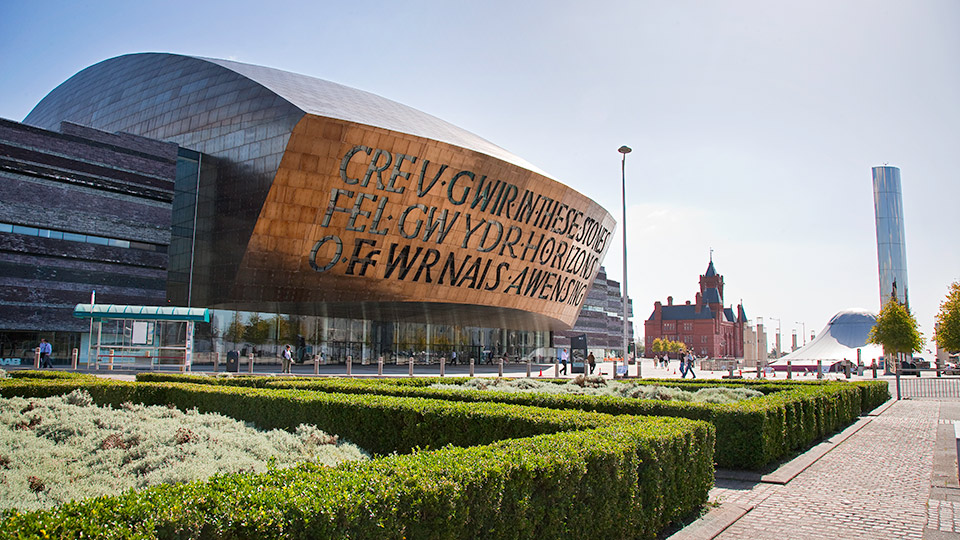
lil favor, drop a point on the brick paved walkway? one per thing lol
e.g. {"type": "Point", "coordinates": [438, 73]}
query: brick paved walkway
{"type": "Point", "coordinates": [879, 483]}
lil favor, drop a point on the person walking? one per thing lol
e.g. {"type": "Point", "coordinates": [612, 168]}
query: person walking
{"type": "Point", "coordinates": [286, 357]}
{"type": "Point", "coordinates": [563, 361]}
{"type": "Point", "coordinates": [690, 359]}
{"type": "Point", "coordinates": [592, 361]}
{"type": "Point", "coordinates": [45, 350]}
{"type": "Point", "coordinates": [683, 365]}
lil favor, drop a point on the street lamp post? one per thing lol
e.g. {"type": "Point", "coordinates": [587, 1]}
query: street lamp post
{"type": "Point", "coordinates": [624, 150]}
{"type": "Point", "coordinates": [804, 325]}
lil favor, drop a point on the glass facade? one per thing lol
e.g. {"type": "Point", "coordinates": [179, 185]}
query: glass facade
{"type": "Point", "coordinates": [333, 339]}
{"type": "Point", "coordinates": [891, 246]}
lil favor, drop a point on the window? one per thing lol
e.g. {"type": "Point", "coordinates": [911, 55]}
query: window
{"type": "Point", "coordinates": [75, 237]}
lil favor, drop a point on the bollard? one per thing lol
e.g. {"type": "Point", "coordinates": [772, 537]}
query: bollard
{"type": "Point", "coordinates": [73, 359]}
{"type": "Point", "coordinates": [819, 369]}
{"type": "Point", "coordinates": [500, 370]}
{"type": "Point", "coordinates": [410, 367]}
{"type": "Point", "coordinates": [380, 366]}
{"type": "Point", "coordinates": [759, 367]}
{"type": "Point", "coordinates": [111, 360]}
{"type": "Point", "coordinates": [216, 361]}
{"type": "Point", "coordinates": [846, 370]}
{"type": "Point", "coordinates": [471, 366]}
{"type": "Point", "coordinates": [528, 368]}
{"type": "Point", "coordinates": [443, 365]}
{"type": "Point", "coordinates": [36, 358]}
{"type": "Point", "coordinates": [874, 366]}
{"type": "Point", "coordinates": [556, 368]}
{"type": "Point", "coordinates": [789, 369]}
{"type": "Point", "coordinates": [349, 365]}
{"type": "Point", "coordinates": [316, 364]}
{"type": "Point", "coordinates": [730, 369]}
{"type": "Point", "coordinates": [249, 363]}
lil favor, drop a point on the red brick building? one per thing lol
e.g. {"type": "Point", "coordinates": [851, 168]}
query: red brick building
{"type": "Point", "coordinates": [704, 325]}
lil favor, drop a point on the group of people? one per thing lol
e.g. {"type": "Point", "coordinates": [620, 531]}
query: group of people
{"type": "Point", "coordinates": [45, 351]}
{"type": "Point", "coordinates": [687, 360]}
{"type": "Point", "coordinates": [661, 360]}
{"type": "Point", "coordinates": [565, 357]}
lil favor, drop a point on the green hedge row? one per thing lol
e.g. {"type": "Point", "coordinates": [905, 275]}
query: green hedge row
{"type": "Point", "coordinates": [751, 434]}
{"type": "Point", "coordinates": [497, 471]}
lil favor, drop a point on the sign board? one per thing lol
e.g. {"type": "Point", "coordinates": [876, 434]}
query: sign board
{"type": "Point", "coordinates": [578, 353]}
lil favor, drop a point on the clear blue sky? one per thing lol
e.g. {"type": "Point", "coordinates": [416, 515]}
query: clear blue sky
{"type": "Point", "coordinates": [754, 124]}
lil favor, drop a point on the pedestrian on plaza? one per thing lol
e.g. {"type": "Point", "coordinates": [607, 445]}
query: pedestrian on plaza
{"type": "Point", "coordinates": [286, 357]}
{"type": "Point", "coordinates": [592, 361]}
{"type": "Point", "coordinates": [690, 358]}
{"type": "Point", "coordinates": [45, 351]}
{"type": "Point", "coordinates": [453, 357]}
{"type": "Point", "coordinates": [563, 361]}
{"type": "Point", "coordinates": [683, 365]}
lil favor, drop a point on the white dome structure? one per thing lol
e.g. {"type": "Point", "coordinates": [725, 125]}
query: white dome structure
{"type": "Point", "coordinates": [846, 332]}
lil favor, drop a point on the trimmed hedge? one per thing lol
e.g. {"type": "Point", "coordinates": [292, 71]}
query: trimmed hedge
{"type": "Point", "coordinates": [530, 472]}
{"type": "Point", "coordinates": [751, 434]}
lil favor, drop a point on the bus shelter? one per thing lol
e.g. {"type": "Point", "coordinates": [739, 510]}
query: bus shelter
{"type": "Point", "coordinates": [141, 336]}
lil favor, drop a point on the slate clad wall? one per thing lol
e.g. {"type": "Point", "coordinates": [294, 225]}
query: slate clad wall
{"type": "Point", "coordinates": [84, 182]}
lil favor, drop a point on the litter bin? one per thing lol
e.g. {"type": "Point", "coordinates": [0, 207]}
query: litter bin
{"type": "Point", "coordinates": [233, 361]}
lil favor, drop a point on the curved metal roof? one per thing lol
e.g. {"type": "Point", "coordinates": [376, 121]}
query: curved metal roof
{"type": "Point", "coordinates": [308, 94]}
{"type": "Point", "coordinates": [324, 98]}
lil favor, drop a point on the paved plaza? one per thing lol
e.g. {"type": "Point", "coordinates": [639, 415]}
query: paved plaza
{"type": "Point", "coordinates": [891, 475]}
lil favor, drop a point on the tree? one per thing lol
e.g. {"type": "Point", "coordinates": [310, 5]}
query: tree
{"type": "Point", "coordinates": [236, 330]}
{"type": "Point", "coordinates": [948, 320]}
{"type": "Point", "coordinates": [257, 331]}
{"type": "Point", "coordinates": [896, 330]}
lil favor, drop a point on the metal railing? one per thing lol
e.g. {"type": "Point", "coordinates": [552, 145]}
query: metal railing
{"type": "Point", "coordinates": [938, 383]}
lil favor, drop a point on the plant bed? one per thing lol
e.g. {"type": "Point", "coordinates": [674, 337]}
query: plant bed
{"type": "Point", "coordinates": [57, 449]}
{"type": "Point", "coordinates": [445, 470]}
{"type": "Point", "coordinates": [596, 385]}
{"type": "Point", "coordinates": [751, 434]}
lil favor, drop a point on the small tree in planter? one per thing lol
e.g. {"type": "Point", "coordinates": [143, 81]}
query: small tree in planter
{"type": "Point", "coordinates": [896, 330]}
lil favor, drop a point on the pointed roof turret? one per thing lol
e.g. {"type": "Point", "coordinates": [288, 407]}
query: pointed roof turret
{"type": "Point", "coordinates": [711, 271]}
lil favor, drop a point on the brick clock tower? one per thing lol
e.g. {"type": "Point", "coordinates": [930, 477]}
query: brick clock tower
{"type": "Point", "coordinates": [707, 328]}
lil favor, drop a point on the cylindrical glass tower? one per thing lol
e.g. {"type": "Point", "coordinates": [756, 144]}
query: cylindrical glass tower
{"type": "Point", "coordinates": [891, 246]}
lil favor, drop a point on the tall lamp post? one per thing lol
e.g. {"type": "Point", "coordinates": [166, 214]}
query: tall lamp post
{"type": "Point", "coordinates": [804, 325]}
{"type": "Point", "coordinates": [624, 150]}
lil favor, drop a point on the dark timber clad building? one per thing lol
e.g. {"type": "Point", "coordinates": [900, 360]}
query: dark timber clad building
{"type": "Point", "coordinates": [310, 213]}
{"type": "Point", "coordinates": [82, 210]}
